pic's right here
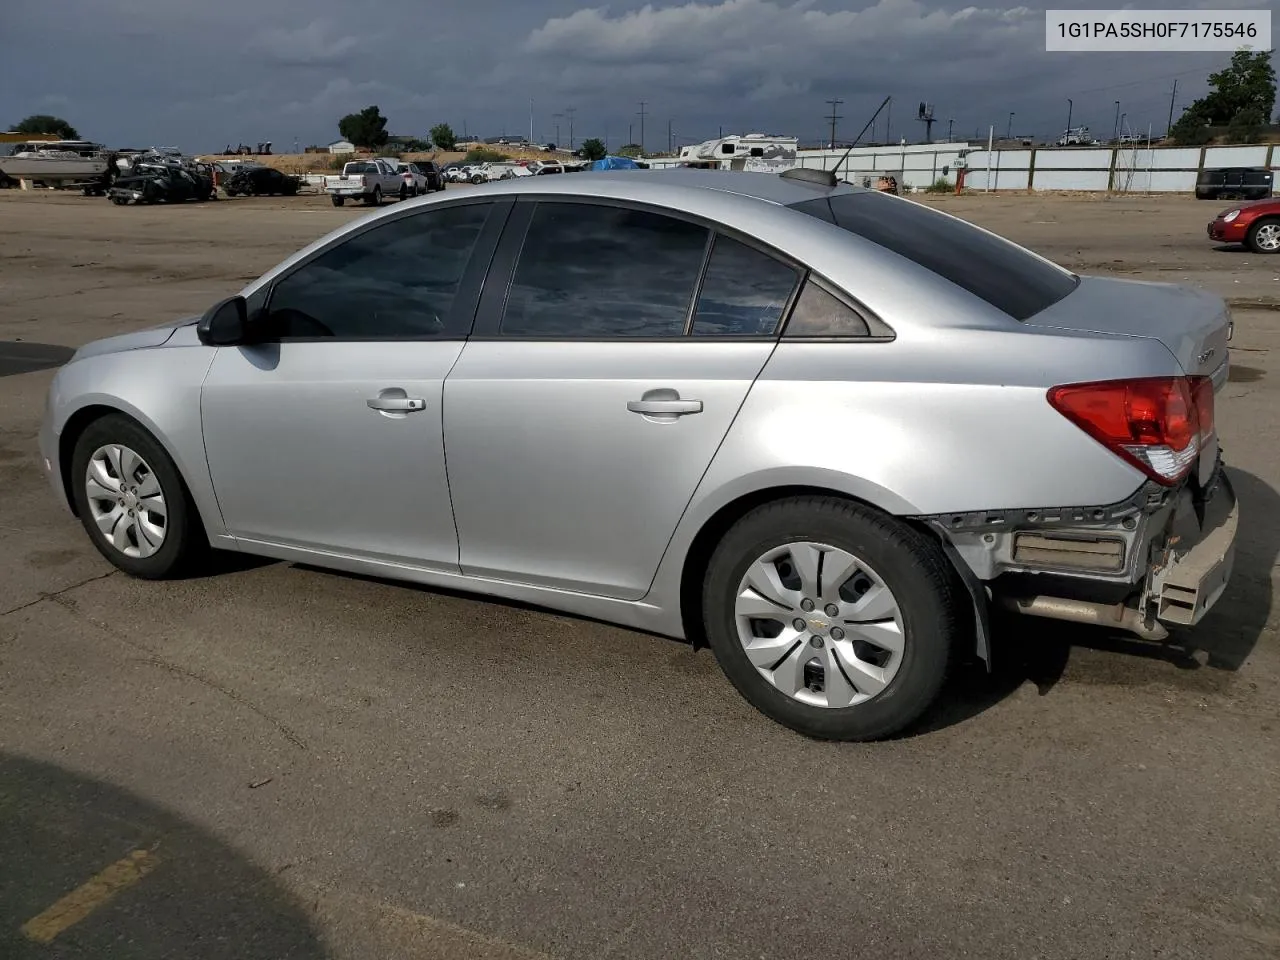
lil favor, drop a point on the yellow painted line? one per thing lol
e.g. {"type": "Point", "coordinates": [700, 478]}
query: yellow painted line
{"type": "Point", "coordinates": [89, 896]}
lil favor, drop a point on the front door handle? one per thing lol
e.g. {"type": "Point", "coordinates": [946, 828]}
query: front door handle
{"type": "Point", "coordinates": [674, 408]}
{"type": "Point", "coordinates": [397, 404]}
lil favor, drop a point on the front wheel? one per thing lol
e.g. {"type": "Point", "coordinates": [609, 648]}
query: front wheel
{"type": "Point", "coordinates": [1264, 236]}
{"type": "Point", "coordinates": [831, 618]}
{"type": "Point", "coordinates": [132, 501]}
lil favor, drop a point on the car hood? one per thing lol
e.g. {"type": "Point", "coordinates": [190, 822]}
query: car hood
{"type": "Point", "coordinates": [139, 339]}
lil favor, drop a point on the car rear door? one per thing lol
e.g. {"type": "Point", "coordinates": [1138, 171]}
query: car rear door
{"type": "Point", "coordinates": [612, 351]}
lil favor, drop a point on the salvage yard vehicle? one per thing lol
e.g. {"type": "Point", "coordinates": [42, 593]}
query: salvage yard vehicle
{"type": "Point", "coordinates": [1256, 225]}
{"type": "Point", "coordinates": [824, 429]}
{"type": "Point", "coordinates": [367, 180]}
{"type": "Point", "coordinates": [155, 178]}
{"type": "Point", "coordinates": [261, 182]}
{"type": "Point", "coordinates": [1235, 183]}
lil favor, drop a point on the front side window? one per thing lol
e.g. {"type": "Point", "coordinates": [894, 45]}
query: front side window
{"type": "Point", "coordinates": [396, 281]}
{"type": "Point", "coordinates": [591, 271]}
{"type": "Point", "coordinates": [744, 292]}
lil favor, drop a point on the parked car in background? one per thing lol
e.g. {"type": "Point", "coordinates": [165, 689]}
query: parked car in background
{"type": "Point", "coordinates": [260, 182]}
{"type": "Point", "coordinates": [1256, 225]}
{"type": "Point", "coordinates": [157, 178]}
{"type": "Point", "coordinates": [435, 176]}
{"type": "Point", "coordinates": [367, 180]}
{"type": "Point", "coordinates": [1235, 183]}
{"type": "Point", "coordinates": [415, 181]}
{"type": "Point", "coordinates": [824, 429]}
{"type": "Point", "coordinates": [546, 168]}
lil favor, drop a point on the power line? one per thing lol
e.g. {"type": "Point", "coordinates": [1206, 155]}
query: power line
{"type": "Point", "coordinates": [834, 102]}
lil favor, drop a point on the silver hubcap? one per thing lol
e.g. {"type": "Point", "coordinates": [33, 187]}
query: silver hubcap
{"type": "Point", "coordinates": [819, 624]}
{"type": "Point", "coordinates": [126, 500]}
{"type": "Point", "coordinates": [1268, 236]}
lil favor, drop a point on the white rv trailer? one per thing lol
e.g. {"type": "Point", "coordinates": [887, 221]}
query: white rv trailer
{"type": "Point", "coordinates": [760, 152]}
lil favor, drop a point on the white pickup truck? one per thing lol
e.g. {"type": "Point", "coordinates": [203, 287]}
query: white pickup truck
{"type": "Point", "coordinates": [367, 180]}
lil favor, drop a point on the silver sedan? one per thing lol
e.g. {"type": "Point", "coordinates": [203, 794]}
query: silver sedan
{"type": "Point", "coordinates": [822, 429]}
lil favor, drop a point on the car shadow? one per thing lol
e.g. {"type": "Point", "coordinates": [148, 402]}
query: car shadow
{"type": "Point", "coordinates": [1036, 651]}
{"type": "Point", "coordinates": [105, 873]}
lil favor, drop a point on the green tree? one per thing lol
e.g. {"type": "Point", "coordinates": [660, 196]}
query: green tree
{"type": "Point", "coordinates": [368, 128]}
{"type": "Point", "coordinates": [1192, 128]}
{"type": "Point", "coordinates": [44, 123]}
{"type": "Point", "coordinates": [593, 149]}
{"type": "Point", "coordinates": [1249, 81]}
{"type": "Point", "coordinates": [1246, 126]}
{"type": "Point", "coordinates": [631, 150]}
{"type": "Point", "coordinates": [442, 136]}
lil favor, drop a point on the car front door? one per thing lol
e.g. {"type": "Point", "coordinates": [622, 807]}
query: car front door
{"type": "Point", "coordinates": [613, 348]}
{"type": "Point", "coordinates": [328, 435]}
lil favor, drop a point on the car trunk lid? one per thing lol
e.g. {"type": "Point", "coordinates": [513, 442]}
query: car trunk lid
{"type": "Point", "coordinates": [1194, 325]}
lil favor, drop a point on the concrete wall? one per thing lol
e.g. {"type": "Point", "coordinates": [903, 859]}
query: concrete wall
{"type": "Point", "coordinates": [1131, 170]}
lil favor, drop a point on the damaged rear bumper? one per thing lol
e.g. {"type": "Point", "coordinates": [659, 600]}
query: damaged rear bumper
{"type": "Point", "coordinates": [1162, 557]}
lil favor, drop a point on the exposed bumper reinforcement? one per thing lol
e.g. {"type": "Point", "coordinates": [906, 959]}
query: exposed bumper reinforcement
{"type": "Point", "coordinates": [1192, 576]}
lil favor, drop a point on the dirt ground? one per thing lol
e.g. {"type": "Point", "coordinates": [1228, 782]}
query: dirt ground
{"type": "Point", "coordinates": [280, 761]}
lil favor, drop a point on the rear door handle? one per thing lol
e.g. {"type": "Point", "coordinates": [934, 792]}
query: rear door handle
{"type": "Point", "coordinates": [665, 407]}
{"type": "Point", "coordinates": [400, 404]}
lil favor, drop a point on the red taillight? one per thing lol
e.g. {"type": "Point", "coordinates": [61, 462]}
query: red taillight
{"type": "Point", "coordinates": [1157, 424]}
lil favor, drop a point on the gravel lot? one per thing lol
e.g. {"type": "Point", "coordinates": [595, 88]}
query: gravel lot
{"type": "Point", "coordinates": [306, 764]}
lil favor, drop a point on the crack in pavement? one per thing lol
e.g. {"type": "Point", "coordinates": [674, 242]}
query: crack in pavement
{"type": "Point", "coordinates": [154, 659]}
{"type": "Point", "coordinates": [58, 593]}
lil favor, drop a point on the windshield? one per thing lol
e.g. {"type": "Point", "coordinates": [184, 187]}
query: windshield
{"type": "Point", "coordinates": [1010, 278]}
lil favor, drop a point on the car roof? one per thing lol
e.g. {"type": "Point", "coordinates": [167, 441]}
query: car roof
{"type": "Point", "coordinates": [665, 186]}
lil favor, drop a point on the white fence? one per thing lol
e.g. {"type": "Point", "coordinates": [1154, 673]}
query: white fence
{"type": "Point", "coordinates": [1121, 169]}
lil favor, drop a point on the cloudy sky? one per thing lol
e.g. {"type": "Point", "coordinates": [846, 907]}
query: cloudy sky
{"type": "Point", "coordinates": [200, 75]}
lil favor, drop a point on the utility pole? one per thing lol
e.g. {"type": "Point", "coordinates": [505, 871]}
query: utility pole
{"type": "Point", "coordinates": [1069, 106]}
{"type": "Point", "coordinates": [1169, 129]}
{"type": "Point", "coordinates": [531, 120]}
{"type": "Point", "coordinates": [1008, 133]}
{"type": "Point", "coordinates": [888, 122]}
{"type": "Point", "coordinates": [1116, 135]}
{"type": "Point", "coordinates": [571, 111]}
{"type": "Point", "coordinates": [557, 117]}
{"type": "Point", "coordinates": [642, 116]}
{"type": "Point", "coordinates": [834, 102]}
{"type": "Point", "coordinates": [950, 123]}
{"type": "Point", "coordinates": [670, 139]}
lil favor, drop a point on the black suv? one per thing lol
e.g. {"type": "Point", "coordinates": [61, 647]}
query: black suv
{"type": "Point", "coordinates": [435, 176]}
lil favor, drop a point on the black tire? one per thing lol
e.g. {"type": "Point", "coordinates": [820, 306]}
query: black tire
{"type": "Point", "coordinates": [910, 563]}
{"type": "Point", "coordinates": [404, 193]}
{"type": "Point", "coordinates": [184, 539]}
{"type": "Point", "coordinates": [1251, 238]}
{"type": "Point", "coordinates": [338, 201]}
{"type": "Point", "coordinates": [375, 198]}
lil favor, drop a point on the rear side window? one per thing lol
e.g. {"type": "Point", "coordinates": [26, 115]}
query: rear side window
{"type": "Point", "coordinates": [744, 292]}
{"type": "Point", "coordinates": [589, 271]}
{"type": "Point", "coordinates": [1003, 274]}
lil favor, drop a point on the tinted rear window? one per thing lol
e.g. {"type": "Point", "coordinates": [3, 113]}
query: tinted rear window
{"type": "Point", "coordinates": [1003, 274]}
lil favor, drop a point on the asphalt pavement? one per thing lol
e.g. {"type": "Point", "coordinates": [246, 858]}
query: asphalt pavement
{"type": "Point", "coordinates": [269, 760]}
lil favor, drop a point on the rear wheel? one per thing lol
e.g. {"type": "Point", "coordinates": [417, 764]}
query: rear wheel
{"type": "Point", "coordinates": [832, 619]}
{"type": "Point", "coordinates": [375, 198]}
{"type": "Point", "coordinates": [132, 501]}
{"type": "Point", "coordinates": [1264, 236]}
{"type": "Point", "coordinates": [338, 201]}
{"type": "Point", "coordinates": [404, 193]}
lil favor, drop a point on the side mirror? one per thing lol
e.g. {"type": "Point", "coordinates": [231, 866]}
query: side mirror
{"type": "Point", "coordinates": [225, 324]}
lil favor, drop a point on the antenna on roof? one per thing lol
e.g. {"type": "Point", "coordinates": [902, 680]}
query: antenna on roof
{"type": "Point", "coordinates": [829, 177]}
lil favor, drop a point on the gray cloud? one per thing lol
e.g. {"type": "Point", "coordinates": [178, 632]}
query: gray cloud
{"type": "Point", "coordinates": [317, 44]}
{"type": "Point", "coordinates": [197, 75]}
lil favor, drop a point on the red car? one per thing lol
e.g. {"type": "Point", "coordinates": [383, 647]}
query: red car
{"type": "Point", "coordinates": [1256, 225]}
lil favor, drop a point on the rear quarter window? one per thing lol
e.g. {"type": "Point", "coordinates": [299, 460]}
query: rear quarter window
{"type": "Point", "coordinates": [1010, 278]}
